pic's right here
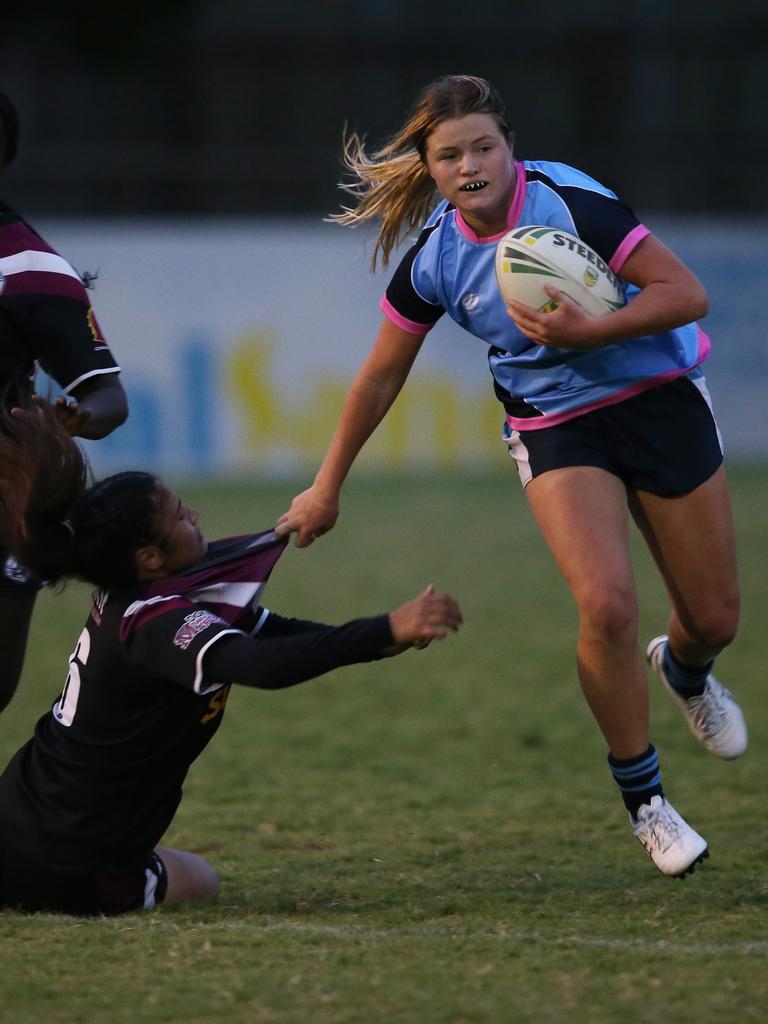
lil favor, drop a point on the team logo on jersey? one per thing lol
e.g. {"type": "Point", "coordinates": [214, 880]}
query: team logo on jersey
{"type": "Point", "coordinates": [470, 301]}
{"type": "Point", "coordinates": [93, 325]}
{"type": "Point", "coordinates": [193, 624]}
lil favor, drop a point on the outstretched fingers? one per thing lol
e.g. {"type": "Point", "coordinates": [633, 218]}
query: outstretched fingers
{"type": "Point", "coordinates": [430, 616]}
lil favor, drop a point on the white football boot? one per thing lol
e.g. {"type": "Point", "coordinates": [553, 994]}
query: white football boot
{"type": "Point", "coordinates": [714, 716]}
{"type": "Point", "coordinates": [670, 842]}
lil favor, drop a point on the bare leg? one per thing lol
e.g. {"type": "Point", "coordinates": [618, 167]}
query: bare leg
{"type": "Point", "coordinates": [15, 615]}
{"type": "Point", "coordinates": [190, 877]}
{"type": "Point", "coordinates": [692, 541]}
{"type": "Point", "coordinates": [583, 516]}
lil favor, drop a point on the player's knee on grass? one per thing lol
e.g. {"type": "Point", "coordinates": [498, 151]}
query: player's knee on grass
{"type": "Point", "coordinates": [189, 877]}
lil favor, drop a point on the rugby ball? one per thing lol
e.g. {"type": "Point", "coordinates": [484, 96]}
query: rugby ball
{"type": "Point", "coordinates": [528, 258]}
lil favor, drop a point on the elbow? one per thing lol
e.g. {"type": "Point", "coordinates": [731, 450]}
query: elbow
{"type": "Point", "coordinates": [696, 297]}
{"type": "Point", "coordinates": [105, 400]}
{"type": "Point", "coordinates": [700, 303]}
{"type": "Point", "coordinates": [119, 413]}
{"type": "Point", "coordinates": [108, 421]}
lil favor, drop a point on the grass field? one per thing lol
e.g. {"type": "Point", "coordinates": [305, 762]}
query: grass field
{"type": "Point", "coordinates": [435, 838]}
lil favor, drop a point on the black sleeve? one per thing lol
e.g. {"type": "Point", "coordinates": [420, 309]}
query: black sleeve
{"type": "Point", "coordinates": [292, 651]}
{"type": "Point", "coordinates": [67, 339]}
{"type": "Point", "coordinates": [603, 222]}
{"type": "Point", "coordinates": [278, 625]}
{"type": "Point", "coordinates": [401, 293]}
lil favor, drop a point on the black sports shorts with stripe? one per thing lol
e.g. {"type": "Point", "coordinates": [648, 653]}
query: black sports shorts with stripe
{"type": "Point", "coordinates": [664, 440]}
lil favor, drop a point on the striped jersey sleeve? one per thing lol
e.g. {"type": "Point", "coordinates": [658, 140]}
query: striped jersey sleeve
{"type": "Point", "coordinates": [171, 624]}
{"type": "Point", "coordinates": [602, 220]}
{"type": "Point", "coordinates": [402, 303]}
{"type": "Point", "coordinates": [171, 638]}
{"type": "Point", "coordinates": [45, 312]}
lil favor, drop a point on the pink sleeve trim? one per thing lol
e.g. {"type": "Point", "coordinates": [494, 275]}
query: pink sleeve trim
{"type": "Point", "coordinates": [704, 346]}
{"type": "Point", "coordinates": [400, 321]}
{"type": "Point", "coordinates": [627, 247]}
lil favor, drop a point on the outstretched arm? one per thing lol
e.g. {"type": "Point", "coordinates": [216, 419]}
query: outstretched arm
{"type": "Point", "coordinates": [288, 651]}
{"type": "Point", "coordinates": [376, 386]}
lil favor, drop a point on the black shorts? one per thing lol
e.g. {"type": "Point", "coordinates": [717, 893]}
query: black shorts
{"type": "Point", "coordinates": [664, 440]}
{"type": "Point", "coordinates": [30, 887]}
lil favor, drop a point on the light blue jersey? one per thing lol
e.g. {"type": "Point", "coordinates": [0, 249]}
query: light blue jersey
{"type": "Point", "coordinates": [451, 270]}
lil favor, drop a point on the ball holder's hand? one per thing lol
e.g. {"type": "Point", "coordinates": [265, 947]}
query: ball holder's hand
{"type": "Point", "coordinates": [565, 326]}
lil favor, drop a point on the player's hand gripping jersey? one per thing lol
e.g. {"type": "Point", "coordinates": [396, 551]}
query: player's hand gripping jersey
{"type": "Point", "coordinates": [450, 270]}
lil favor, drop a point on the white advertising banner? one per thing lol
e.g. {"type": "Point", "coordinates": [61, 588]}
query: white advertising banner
{"type": "Point", "coordinates": [238, 343]}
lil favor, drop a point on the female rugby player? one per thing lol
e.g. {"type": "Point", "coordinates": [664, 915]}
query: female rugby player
{"type": "Point", "coordinates": [46, 318]}
{"type": "Point", "coordinates": [174, 622]}
{"type": "Point", "coordinates": [606, 418]}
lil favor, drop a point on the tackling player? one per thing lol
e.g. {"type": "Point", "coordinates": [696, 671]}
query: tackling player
{"type": "Point", "coordinates": [174, 623]}
{"type": "Point", "coordinates": [46, 319]}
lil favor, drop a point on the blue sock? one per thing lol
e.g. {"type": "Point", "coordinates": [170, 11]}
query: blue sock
{"type": "Point", "coordinates": [685, 680]}
{"type": "Point", "coordinates": [638, 778]}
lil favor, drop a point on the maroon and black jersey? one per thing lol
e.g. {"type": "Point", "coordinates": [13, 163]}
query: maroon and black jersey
{"type": "Point", "coordinates": [45, 315]}
{"type": "Point", "coordinates": [100, 780]}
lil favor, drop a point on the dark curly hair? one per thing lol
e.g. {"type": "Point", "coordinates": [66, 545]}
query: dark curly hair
{"type": "Point", "coordinates": [57, 525]}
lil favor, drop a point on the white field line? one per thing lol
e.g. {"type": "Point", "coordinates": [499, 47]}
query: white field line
{"type": "Point", "coordinates": [757, 948]}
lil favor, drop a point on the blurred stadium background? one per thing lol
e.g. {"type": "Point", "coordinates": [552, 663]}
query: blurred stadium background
{"type": "Point", "coordinates": [400, 843]}
{"type": "Point", "coordinates": [187, 152]}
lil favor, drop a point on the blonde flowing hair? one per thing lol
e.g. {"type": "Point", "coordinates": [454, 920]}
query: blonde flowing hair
{"type": "Point", "coordinates": [393, 184]}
